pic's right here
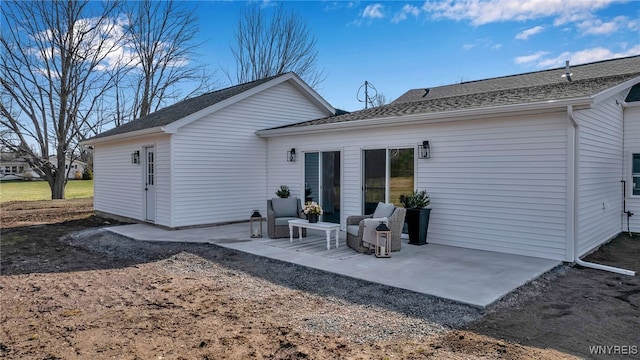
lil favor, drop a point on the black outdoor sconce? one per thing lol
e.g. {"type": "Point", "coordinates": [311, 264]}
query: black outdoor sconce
{"type": "Point", "coordinates": [135, 157]}
{"type": "Point", "coordinates": [291, 155]}
{"type": "Point", "coordinates": [424, 150]}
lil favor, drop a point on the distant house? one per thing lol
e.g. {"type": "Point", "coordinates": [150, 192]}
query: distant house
{"type": "Point", "coordinates": [74, 169]}
{"type": "Point", "coordinates": [539, 164]}
{"type": "Point", "coordinates": [13, 167]}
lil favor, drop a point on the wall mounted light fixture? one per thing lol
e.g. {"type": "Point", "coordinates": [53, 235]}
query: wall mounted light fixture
{"type": "Point", "coordinates": [424, 150]}
{"type": "Point", "coordinates": [291, 155]}
{"type": "Point", "coordinates": [135, 157]}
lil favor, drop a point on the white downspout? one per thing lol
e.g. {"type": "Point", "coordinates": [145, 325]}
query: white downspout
{"type": "Point", "coordinates": [576, 202]}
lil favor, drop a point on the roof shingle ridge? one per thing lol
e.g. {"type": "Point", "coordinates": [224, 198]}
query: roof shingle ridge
{"type": "Point", "coordinates": [561, 68]}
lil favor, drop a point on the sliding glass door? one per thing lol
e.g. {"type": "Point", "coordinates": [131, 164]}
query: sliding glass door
{"type": "Point", "coordinates": [375, 175]}
{"type": "Point", "coordinates": [387, 174]}
{"type": "Point", "coordinates": [322, 182]}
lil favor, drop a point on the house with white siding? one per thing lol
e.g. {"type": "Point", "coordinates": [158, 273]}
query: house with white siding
{"type": "Point", "coordinates": [13, 167]}
{"type": "Point", "coordinates": [199, 161]}
{"type": "Point", "coordinates": [541, 164]}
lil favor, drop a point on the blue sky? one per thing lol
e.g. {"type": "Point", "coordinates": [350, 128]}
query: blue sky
{"type": "Point", "coordinates": [401, 45]}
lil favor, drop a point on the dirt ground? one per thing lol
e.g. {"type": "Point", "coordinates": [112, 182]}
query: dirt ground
{"type": "Point", "coordinates": [66, 299]}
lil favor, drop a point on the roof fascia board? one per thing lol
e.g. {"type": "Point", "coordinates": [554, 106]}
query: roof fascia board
{"type": "Point", "coordinates": [605, 94]}
{"type": "Point", "coordinates": [456, 115]}
{"type": "Point", "coordinates": [124, 136]}
{"type": "Point", "coordinates": [308, 92]}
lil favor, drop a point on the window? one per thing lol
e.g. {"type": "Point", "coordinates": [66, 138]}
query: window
{"type": "Point", "coordinates": [635, 175]}
{"type": "Point", "coordinates": [388, 173]}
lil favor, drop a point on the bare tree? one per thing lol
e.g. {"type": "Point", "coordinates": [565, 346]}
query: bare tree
{"type": "Point", "coordinates": [273, 45]}
{"type": "Point", "coordinates": [161, 35]}
{"type": "Point", "coordinates": [58, 58]}
{"type": "Point", "coordinates": [379, 100]}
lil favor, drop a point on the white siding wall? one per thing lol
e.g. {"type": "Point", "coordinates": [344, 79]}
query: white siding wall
{"type": "Point", "coordinates": [632, 145]}
{"type": "Point", "coordinates": [495, 184]}
{"type": "Point", "coordinates": [163, 179]}
{"type": "Point", "coordinates": [600, 166]}
{"type": "Point", "coordinates": [118, 184]}
{"type": "Point", "coordinates": [117, 181]}
{"type": "Point", "coordinates": [219, 164]}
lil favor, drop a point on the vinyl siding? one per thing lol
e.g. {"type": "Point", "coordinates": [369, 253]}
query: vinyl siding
{"type": "Point", "coordinates": [600, 172]}
{"type": "Point", "coordinates": [631, 145]}
{"type": "Point", "coordinates": [163, 180]}
{"type": "Point", "coordinates": [220, 165]}
{"type": "Point", "coordinates": [118, 184]}
{"type": "Point", "coordinates": [496, 184]}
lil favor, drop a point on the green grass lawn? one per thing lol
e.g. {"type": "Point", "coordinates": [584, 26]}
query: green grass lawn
{"type": "Point", "coordinates": [39, 190]}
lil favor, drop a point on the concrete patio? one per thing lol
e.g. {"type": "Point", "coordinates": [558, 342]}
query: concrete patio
{"type": "Point", "coordinates": [469, 276]}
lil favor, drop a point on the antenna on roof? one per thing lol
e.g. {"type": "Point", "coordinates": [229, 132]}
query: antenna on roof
{"type": "Point", "coordinates": [567, 74]}
{"type": "Point", "coordinates": [367, 99]}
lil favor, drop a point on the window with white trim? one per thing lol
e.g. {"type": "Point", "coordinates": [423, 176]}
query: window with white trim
{"type": "Point", "coordinates": [635, 175]}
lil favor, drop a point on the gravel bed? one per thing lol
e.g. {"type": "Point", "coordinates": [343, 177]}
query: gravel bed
{"type": "Point", "coordinates": [361, 311]}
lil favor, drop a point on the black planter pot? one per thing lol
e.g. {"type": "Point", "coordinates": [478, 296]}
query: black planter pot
{"type": "Point", "coordinates": [417, 224]}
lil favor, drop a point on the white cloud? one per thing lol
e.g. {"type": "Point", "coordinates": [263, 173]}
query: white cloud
{"type": "Point", "coordinates": [524, 35]}
{"type": "Point", "coordinates": [530, 58]}
{"type": "Point", "coordinates": [106, 36]}
{"type": "Point", "coordinates": [481, 12]}
{"type": "Point", "coordinates": [598, 27]}
{"type": "Point", "coordinates": [373, 11]}
{"type": "Point", "coordinates": [484, 43]}
{"type": "Point", "coordinates": [405, 12]}
{"type": "Point", "coordinates": [576, 58]}
{"type": "Point", "coordinates": [93, 35]}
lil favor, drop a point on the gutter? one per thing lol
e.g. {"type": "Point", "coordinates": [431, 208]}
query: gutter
{"type": "Point", "coordinates": [576, 207]}
{"type": "Point", "coordinates": [455, 115]}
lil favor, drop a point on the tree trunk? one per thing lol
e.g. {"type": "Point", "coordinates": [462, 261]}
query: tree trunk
{"type": "Point", "coordinates": [59, 179]}
{"type": "Point", "coordinates": [57, 191]}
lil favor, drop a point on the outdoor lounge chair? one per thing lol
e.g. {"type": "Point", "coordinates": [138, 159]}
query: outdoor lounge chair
{"type": "Point", "coordinates": [279, 212]}
{"type": "Point", "coordinates": [394, 217]}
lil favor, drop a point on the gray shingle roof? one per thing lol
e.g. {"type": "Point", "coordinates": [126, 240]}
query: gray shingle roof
{"type": "Point", "coordinates": [181, 109]}
{"type": "Point", "coordinates": [539, 78]}
{"type": "Point", "coordinates": [587, 80]}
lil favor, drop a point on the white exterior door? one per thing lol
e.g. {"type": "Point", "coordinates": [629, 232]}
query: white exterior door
{"type": "Point", "coordinates": [150, 183]}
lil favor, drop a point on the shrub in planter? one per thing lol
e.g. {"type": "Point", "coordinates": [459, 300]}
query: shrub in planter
{"type": "Point", "coordinates": [283, 192]}
{"type": "Point", "coordinates": [307, 194]}
{"type": "Point", "coordinates": [417, 218]}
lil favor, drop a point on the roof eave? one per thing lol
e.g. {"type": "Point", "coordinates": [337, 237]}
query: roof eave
{"type": "Point", "coordinates": [605, 94]}
{"type": "Point", "coordinates": [446, 116]}
{"type": "Point", "coordinates": [125, 136]}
